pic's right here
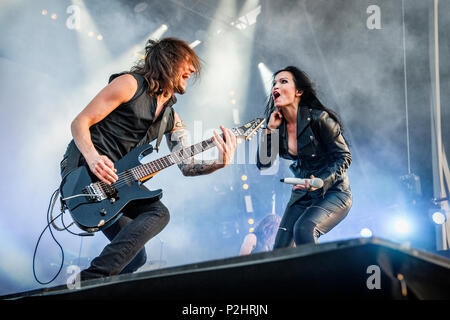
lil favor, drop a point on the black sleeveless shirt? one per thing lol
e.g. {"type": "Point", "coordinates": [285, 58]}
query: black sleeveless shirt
{"type": "Point", "coordinates": [122, 129]}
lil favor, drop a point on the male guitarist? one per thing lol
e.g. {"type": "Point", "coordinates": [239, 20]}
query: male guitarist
{"type": "Point", "coordinates": [127, 113]}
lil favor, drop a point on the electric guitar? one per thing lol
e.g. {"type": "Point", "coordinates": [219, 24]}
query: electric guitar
{"type": "Point", "coordinates": [95, 205]}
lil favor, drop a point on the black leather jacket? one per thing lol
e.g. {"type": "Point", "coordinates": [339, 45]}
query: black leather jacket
{"type": "Point", "coordinates": [322, 151]}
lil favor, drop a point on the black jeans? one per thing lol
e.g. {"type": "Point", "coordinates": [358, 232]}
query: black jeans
{"type": "Point", "coordinates": [141, 221]}
{"type": "Point", "coordinates": [307, 218]}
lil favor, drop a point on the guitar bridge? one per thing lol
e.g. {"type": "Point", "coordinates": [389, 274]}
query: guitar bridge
{"type": "Point", "coordinates": [95, 192]}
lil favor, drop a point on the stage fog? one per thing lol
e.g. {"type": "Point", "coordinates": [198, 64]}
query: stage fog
{"type": "Point", "coordinates": [56, 55]}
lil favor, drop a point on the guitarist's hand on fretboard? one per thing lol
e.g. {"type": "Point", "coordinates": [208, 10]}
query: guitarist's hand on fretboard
{"type": "Point", "coordinates": [226, 147]}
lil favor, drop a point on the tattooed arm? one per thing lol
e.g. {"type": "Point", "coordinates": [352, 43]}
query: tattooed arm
{"type": "Point", "coordinates": [178, 138]}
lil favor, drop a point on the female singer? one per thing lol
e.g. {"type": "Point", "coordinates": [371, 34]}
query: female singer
{"type": "Point", "coordinates": [310, 135]}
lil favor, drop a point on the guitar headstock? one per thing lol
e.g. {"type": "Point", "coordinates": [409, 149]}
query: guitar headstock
{"type": "Point", "coordinates": [248, 129]}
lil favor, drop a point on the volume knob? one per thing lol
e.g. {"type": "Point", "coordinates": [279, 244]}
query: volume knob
{"type": "Point", "coordinates": [103, 212]}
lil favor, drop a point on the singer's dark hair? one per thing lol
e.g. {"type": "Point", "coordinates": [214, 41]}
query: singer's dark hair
{"type": "Point", "coordinates": [309, 97]}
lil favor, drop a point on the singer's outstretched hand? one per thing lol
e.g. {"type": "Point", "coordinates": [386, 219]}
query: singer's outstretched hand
{"type": "Point", "coordinates": [307, 186]}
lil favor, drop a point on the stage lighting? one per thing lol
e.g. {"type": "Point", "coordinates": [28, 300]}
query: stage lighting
{"type": "Point", "coordinates": [247, 20]}
{"type": "Point", "coordinates": [156, 35]}
{"type": "Point", "coordinates": [248, 203]}
{"type": "Point", "coordinates": [401, 226]}
{"type": "Point", "coordinates": [366, 233]}
{"type": "Point", "coordinates": [266, 77]}
{"type": "Point", "coordinates": [245, 186]}
{"type": "Point", "coordinates": [54, 16]}
{"type": "Point", "coordinates": [438, 217]}
{"type": "Point", "coordinates": [195, 43]}
{"type": "Point", "coordinates": [236, 119]}
{"type": "Point", "coordinates": [44, 12]}
{"type": "Point", "coordinates": [437, 214]}
{"type": "Point", "coordinates": [251, 221]}
{"type": "Point", "coordinates": [244, 177]}
{"type": "Point", "coordinates": [99, 37]}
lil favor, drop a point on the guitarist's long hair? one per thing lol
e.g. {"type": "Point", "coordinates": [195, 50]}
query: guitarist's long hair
{"type": "Point", "coordinates": [161, 62]}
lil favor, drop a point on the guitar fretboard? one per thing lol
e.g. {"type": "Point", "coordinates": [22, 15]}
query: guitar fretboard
{"type": "Point", "coordinates": [148, 169]}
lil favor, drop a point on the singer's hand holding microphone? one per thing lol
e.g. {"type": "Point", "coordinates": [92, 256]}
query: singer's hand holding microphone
{"type": "Point", "coordinates": [304, 184]}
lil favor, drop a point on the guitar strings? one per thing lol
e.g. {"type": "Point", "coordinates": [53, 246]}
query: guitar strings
{"type": "Point", "coordinates": [183, 154]}
{"type": "Point", "coordinates": [128, 174]}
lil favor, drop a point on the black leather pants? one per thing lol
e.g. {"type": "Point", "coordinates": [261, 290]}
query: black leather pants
{"type": "Point", "coordinates": [308, 218]}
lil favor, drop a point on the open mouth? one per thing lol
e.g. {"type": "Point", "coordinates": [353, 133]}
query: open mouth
{"type": "Point", "coordinates": [276, 95]}
{"type": "Point", "coordinates": [184, 79]}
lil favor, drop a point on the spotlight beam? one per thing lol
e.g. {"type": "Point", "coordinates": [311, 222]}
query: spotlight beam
{"type": "Point", "coordinates": [266, 77]}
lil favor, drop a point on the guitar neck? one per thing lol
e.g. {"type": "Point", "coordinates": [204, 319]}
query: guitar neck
{"type": "Point", "coordinates": [147, 170]}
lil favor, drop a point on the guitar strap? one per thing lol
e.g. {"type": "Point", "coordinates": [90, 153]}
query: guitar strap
{"type": "Point", "coordinates": [162, 129]}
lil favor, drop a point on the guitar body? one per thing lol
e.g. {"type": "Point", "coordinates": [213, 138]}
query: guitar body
{"type": "Point", "coordinates": [92, 215]}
